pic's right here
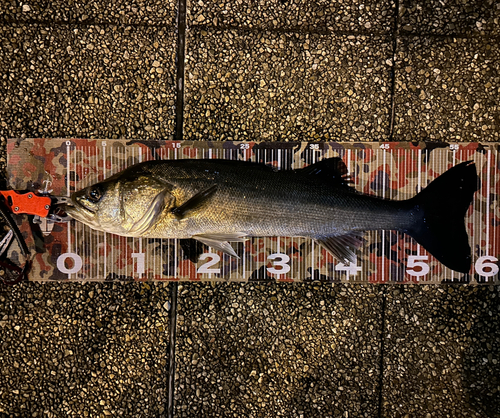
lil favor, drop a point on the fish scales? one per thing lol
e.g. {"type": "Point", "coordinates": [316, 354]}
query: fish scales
{"type": "Point", "coordinates": [259, 201]}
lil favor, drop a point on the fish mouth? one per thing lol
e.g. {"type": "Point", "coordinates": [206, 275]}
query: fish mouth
{"type": "Point", "coordinates": [80, 213]}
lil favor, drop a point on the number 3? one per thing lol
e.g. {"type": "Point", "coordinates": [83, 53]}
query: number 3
{"type": "Point", "coordinates": [280, 260]}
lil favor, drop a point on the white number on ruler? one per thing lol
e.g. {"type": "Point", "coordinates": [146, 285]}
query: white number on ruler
{"type": "Point", "coordinates": [314, 146]}
{"type": "Point", "coordinates": [351, 268]}
{"type": "Point", "coordinates": [139, 262]}
{"type": "Point", "coordinates": [77, 263]}
{"type": "Point", "coordinates": [244, 146]}
{"type": "Point", "coordinates": [279, 260]}
{"type": "Point", "coordinates": [384, 146]}
{"type": "Point", "coordinates": [416, 261]}
{"type": "Point", "coordinates": [454, 147]}
{"type": "Point", "coordinates": [205, 268]}
{"type": "Point", "coordinates": [176, 144]}
{"type": "Point", "coordinates": [482, 265]}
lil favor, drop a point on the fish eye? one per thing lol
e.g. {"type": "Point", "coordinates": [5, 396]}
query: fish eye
{"type": "Point", "coordinates": [95, 194]}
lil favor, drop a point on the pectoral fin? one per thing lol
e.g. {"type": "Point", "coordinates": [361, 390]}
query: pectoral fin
{"type": "Point", "coordinates": [343, 247]}
{"type": "Point", "coordinates": [195, 202]}
{"type": "Point", "coordinates": [220, 242]}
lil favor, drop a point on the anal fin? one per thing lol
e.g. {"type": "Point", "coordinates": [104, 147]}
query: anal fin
{"type": "Point", "coordinates": [343, 247]}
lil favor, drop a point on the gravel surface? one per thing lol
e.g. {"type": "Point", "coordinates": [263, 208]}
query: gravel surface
{"type": "Point", "coordinates": [315, 16]}
{"type": "Point", "coordinates": [87, 81]}
{"type": "Point", "coordinates": [442, 352]}
{"type": "Point", "coordinates": [451, 17]}
{"type": "Point", "coordinates": [278, 86]}
{"type": "Point", "coordinates": [447, 89]}
{"type": "Point", "coordinates": [270, 350]}
{"type": "Point", "coordinates": [150, 12]}
{"type": "Point", "coordinates": [83, 350]}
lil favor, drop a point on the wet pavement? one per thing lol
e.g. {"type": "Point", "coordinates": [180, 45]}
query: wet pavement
{"type": "Point", "coordinates": [361, 71]}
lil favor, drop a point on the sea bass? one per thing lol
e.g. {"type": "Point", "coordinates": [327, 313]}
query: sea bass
{"type": "Point", "coordinates": [222, 201]}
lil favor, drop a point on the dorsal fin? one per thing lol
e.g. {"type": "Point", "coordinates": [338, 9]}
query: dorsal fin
{"type": "Point", "coordinates": [332, 170]}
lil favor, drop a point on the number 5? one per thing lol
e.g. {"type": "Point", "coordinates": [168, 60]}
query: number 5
{"type": "Point", "coordinates": [416, 261]}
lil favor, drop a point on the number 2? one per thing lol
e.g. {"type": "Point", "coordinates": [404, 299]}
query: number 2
{"type": "Point", "coordinates": [206, 268]}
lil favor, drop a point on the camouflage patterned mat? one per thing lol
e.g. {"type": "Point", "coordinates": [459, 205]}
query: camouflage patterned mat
{"type": "Point", "coordinates": [395, 170]}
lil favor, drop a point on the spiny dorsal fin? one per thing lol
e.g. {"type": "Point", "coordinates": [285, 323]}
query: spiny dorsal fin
{"type": "Point", "coordinates": [332, 170]}
{"type": "Point", "coordinates": [195, 202]}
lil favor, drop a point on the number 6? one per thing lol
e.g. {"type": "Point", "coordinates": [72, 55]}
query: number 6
{"type": "Point", "coordinates": [481, 265]}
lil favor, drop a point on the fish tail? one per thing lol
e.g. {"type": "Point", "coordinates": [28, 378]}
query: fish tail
{"type": "Point", "coordinates": [438, 216]}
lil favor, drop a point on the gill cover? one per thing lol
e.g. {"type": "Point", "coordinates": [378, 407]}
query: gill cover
{"type": "Point", "coordinates": [142, 200]}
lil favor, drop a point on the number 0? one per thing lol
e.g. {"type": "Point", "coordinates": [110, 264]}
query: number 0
{"type": "Point", "coordinates": [77, 263]}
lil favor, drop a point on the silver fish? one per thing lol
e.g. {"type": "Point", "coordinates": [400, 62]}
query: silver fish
{"type": "Point", "coordinates": [222, 201]}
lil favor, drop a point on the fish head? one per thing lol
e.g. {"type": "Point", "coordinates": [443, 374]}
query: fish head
{"type": "Point", "coordinates": [124, 204]}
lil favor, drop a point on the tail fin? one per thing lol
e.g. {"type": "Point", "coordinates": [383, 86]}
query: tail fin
{"type": "Point", "coordinates": [440, 210]}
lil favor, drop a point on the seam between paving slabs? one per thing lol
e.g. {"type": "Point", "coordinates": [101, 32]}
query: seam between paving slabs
{"type": "Point", "coordinates": [179, 129]}
{"type": "Point", "coordinates": [382, 345]}
{"type": "Point", "coordinates": [171, 358]}
{"type": "Point", "coordinates": [395, 35]}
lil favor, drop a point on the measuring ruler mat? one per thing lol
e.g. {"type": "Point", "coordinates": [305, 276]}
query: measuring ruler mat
{"type": "Point", "coordinates": [395, 170]}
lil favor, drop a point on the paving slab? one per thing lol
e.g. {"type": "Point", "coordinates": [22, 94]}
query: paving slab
{"type": "Point", "coordinates": [455, 17]}
{"type": "Point", "coordinates": [297, 15]}
{"type": "Point", "coordinates": [131, 12]}
{"type": "Point", "coordinates": [78, 350]}
{"type": "Point", "coordinates": [90, 81]}
{"type": "Point", "coordinates": [442, 352]}
{"type": "Point", "coordinates": [278, 349]}
{"type": "Point", "coordinates": [447, 89]}
{"type": "Point", "coordinates": [246, 85]}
